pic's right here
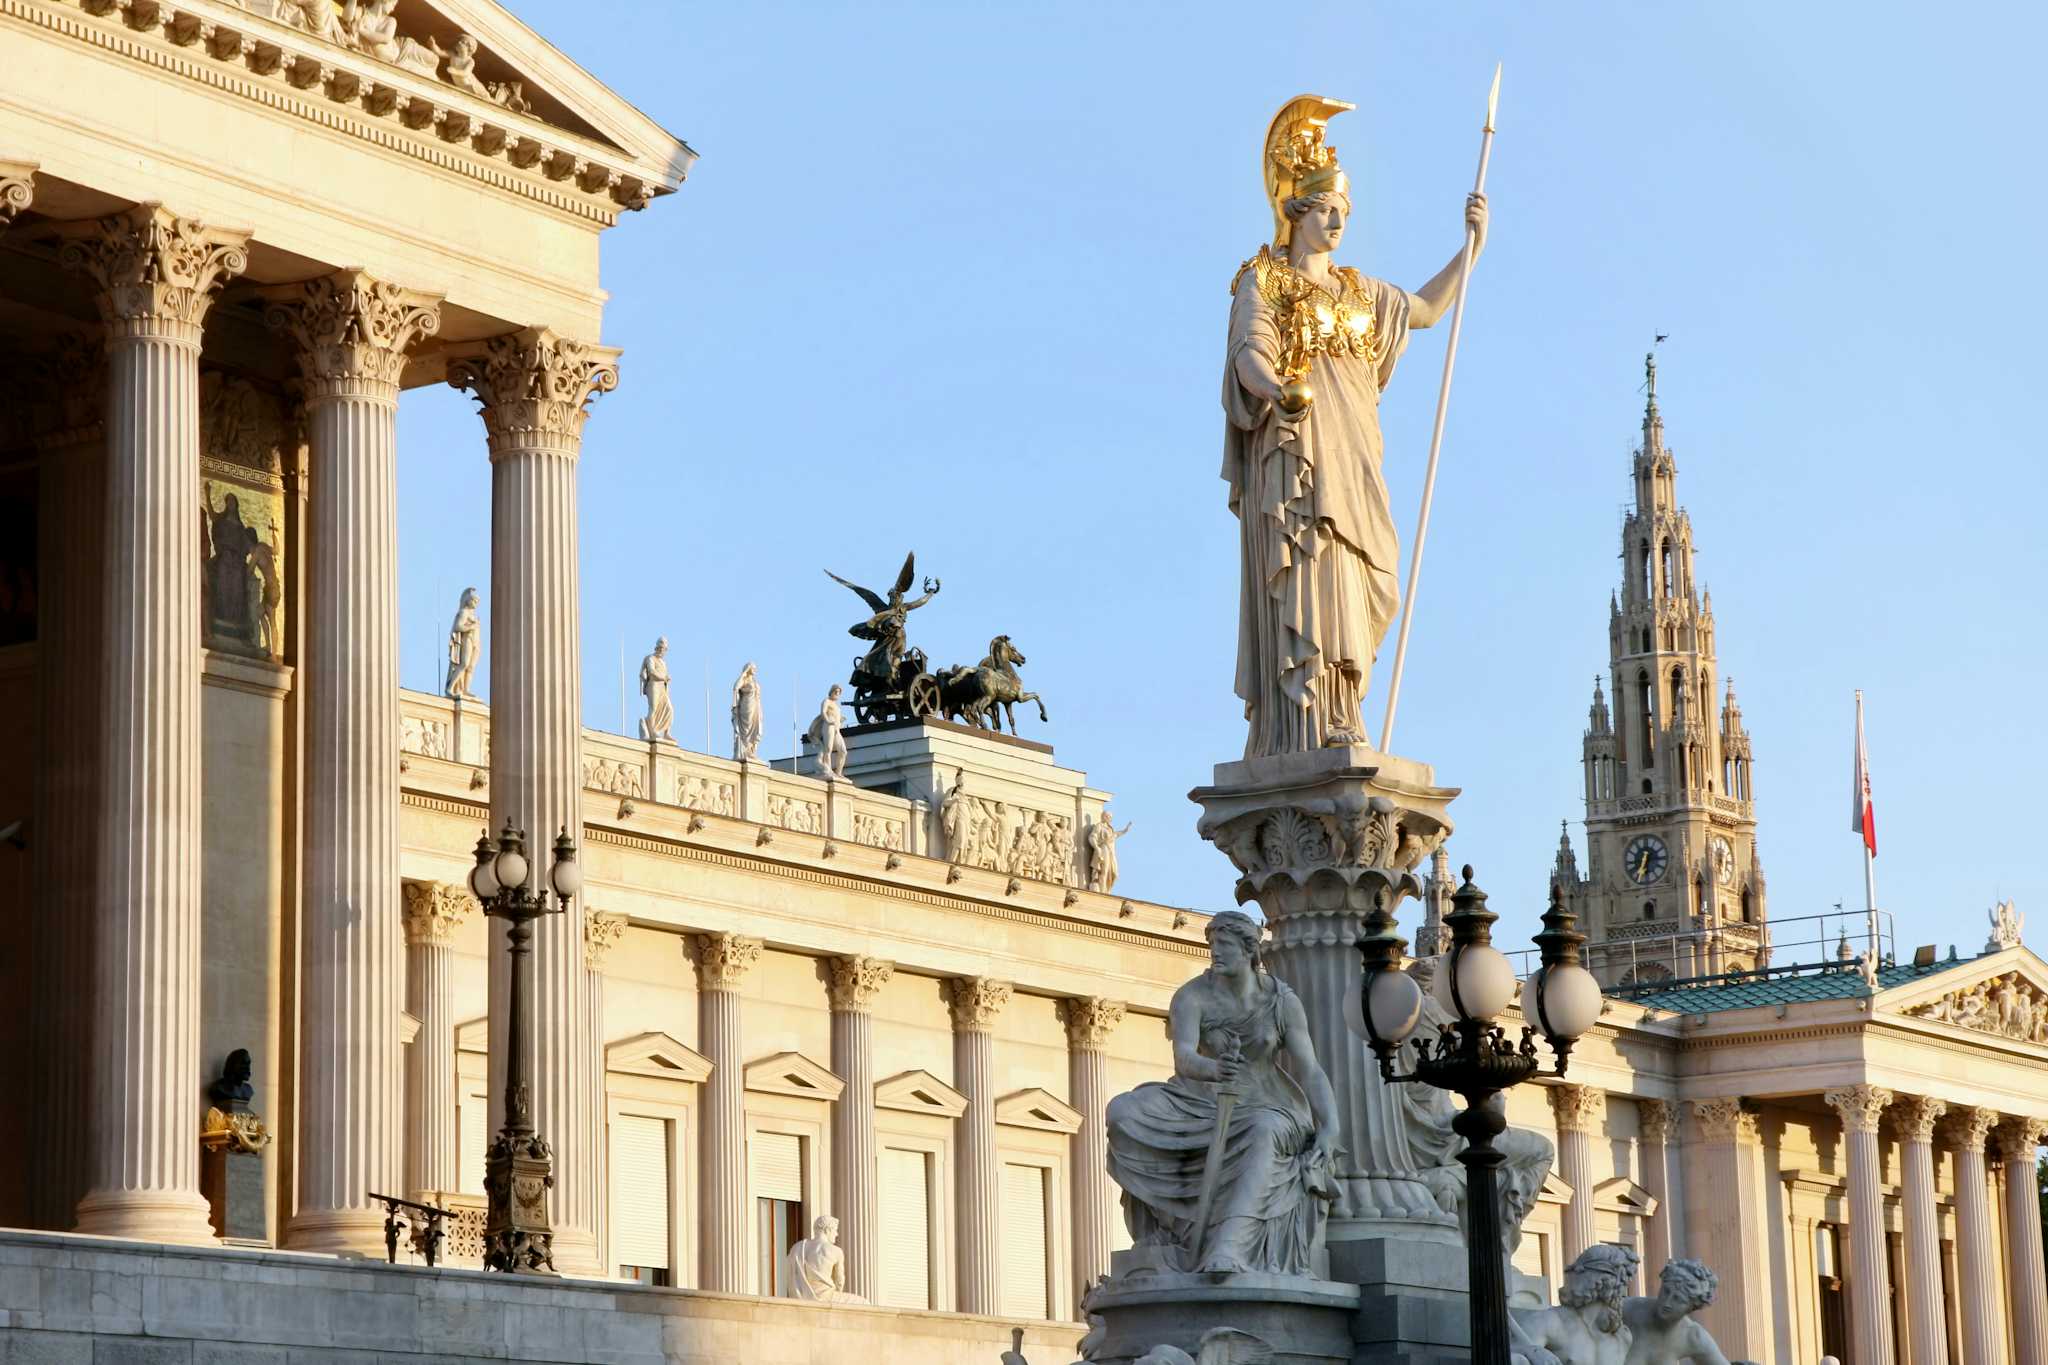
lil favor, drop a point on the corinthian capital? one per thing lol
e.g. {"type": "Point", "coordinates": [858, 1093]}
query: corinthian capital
{"type": "Point", "coordinates": [976, 1001]}
{"type": "Point", "coordinates": [2019, 1141]}
{"type": "Point", "coordinates": [1970, 1125]}
{"type": "Point", "coordinates": [1090, 1021]}
{"type": "Point", "coordinates": [433, 910]}
{"type": "Point", "coordinates": [1861, 1106]}
{"type": "Point", "coordinates": [353, 329]}
{"type": "Point", "coordinates": [722, 959]}
{"type": "Point", "coordinates": [1578, 1108]}
{"type": "Point", "coordinates": [601, 933]}
{"type": "Point", "coordinates": [17, 188]}
{"type": "Point", "coordinates": [856, 981]}
{"type": "Point", "coordinates": [1658, 1120]}
{"type": "Point", "coordinates": [1916, 1115]}
{"type": "Point", "coordinates": [535, 388]}
{"type": "Point", "coordinates": [157, 272]}
{"type": "Point", "coordinates": [1724, 1120]}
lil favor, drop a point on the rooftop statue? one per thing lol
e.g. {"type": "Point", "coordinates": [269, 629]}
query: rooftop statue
{"type": "Point", "coordinates": [465, 644]}
{"type": "Point", "coordinates": [1311, 347]}
{"type": "Point", "coordinates": [816, 1266]}
{"type": "Point", "coordinates": [890, 681]}
{"type": "Point", "coordinates": [661, 713]}
{"type": "Point", "coordinates": [746, 715]}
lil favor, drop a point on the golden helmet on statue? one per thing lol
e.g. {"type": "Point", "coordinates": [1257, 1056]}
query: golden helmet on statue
{"type": "Point", "coordinates": [1297, 162]}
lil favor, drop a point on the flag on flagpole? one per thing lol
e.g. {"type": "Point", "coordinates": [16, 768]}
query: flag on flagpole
{"type": "Point", "coordinates": [1863, 820]}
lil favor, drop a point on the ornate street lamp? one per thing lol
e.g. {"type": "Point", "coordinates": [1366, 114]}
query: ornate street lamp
{"type": "Point", "coordinates": [1473, 1057]}
{"type": "Point", "coordinates": [518, 1170]}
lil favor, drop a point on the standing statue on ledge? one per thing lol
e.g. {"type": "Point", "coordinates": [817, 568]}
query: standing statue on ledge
{"type": "Point", "coordinates": [1312, 346]}
{"type": "Point", "coordinates": [1665, 1333]}
{"type": "Point", "coordinates": [465, 643]}
{"type": "Point", "coordinates": [825, 736]}
{"type": "Point", "coordinates": [1269, 1132]}
{"type": "Point", "coordinates": [661, 714]}
{"type": "Point", "coordinates": [746, 716]}
{"type": "Point", "coordinates": [1102, 837]}
{"type": "Point", "coordinates": [816, 1266]}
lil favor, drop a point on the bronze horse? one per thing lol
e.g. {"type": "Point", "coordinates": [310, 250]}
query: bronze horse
{"type": "Point", "coordinates": [975, 694]}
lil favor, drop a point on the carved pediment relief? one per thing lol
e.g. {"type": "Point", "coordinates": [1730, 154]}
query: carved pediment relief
{"type": "Point", "coordinates": [659, 1055]}
{"type": "Point", "coordinates": [792, 1073]}
{"type": "Point", "coordinates": [2010, 1005]}
{"type": "Point", "coordinates": [1036, 1108]}
{"type": "Point", "coordinates": [920, 1092]}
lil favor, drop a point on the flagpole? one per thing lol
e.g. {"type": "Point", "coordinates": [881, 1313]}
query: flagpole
{"type": "Point", "coordinates": [1869, 853]}
{"type": "Point", "coordinates": [1436, 435]}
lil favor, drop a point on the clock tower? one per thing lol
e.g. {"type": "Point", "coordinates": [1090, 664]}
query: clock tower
{"type": "Point", "coordinates": [1672, 887]}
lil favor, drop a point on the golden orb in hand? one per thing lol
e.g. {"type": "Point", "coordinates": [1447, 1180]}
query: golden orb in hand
{"type": "Point", "coordinates": [1296, 394]}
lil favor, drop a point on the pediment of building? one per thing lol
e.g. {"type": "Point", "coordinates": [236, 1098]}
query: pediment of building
{"type": "Point", "coordinates": [474, 1035]}
{"type": "Point", "coordinates": [660, 1055]}
{"type": "Point", "coordinates": [464, 77]}
{"type": "Point", "coordinates": [1037, 1108]}
{"type": "Point", "coordinates": [1624, 1196]}
{"type": "Point", "coordinates": [2004, 994]}
{"type": "Point", "coordinates": [792, 1073]}
{"type": "Point", "coordinates": [920, 1092]}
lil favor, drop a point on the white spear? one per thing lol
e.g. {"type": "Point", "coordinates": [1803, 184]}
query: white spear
{"type": "Point", "coordinates": [1436, 435]}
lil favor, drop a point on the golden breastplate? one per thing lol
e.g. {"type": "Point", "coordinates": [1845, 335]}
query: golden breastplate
{"type": "Point", "coordinates": [1311, 320]}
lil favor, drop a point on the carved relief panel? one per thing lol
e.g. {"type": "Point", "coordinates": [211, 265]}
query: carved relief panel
{"type": "Point", "coordinates": [243, 434]}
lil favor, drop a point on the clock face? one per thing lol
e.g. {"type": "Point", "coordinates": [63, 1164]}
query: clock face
{"type": "Point", "coordinates": [1644, 859]}
{"type": "Point", "coordinates": [1724, 860]}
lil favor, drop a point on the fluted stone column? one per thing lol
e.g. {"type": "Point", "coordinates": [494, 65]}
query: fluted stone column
{"type": "Point", "coordinates": [2019, 1145]}
{"type": "Point", "coordinates": [157, 275]}
{"type": "Point", "coordinates": [353, 332]}
{"type": "Point", "coordinates": [535, 388]}
{"type": "Point", "coordinates": [433, 912]}
{"type": "Point", "coordinates": [1724, 1205]}
{"type": "Point", "coordinates": [1926, 1324]}
{"type": "Point", "coordinates": [1870, 1300]}
{"type": "Point", "coordinates": [1090, 1023]}
{"type": "Point", "coordinates": [975, 1002]}
{"type": "Point", "coordinates": [601, 933]}
{"type": "Point", "coordinates": [1657, 1124]}
{"type": "Point", "coordinates": [1579, 1110]}
{"type": "Point", "coordinates": [65, 395]}
{"type": "Point", "coordinates": [855, 982]}
{"type": "Point", "coordinates": [1976, 1236]}
{"type": "Point", "coordinates": [722, 1208]}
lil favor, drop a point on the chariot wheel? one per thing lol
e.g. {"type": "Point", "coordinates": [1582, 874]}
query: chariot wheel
{"type": "Point", "coordinates": [922, 697]}
{"type": "Point", "coordinates": [866, 712]}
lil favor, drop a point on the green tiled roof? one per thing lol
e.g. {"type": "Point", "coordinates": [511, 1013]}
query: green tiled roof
{"type": "Point", "coordinates": [1827, 984]}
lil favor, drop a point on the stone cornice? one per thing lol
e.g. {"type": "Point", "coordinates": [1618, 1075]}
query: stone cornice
{"type": "Point", "coordinates": [1860, 1106]}
{"type": "Point", "coordinates": [157, 272]}
{"type": "Point", "coordinates": [976, 1001]}
{"type": "Point", "coordinates": [856, 981]}
{"type": "Point", "coordinates": [1090, 1021]}
{"type": "Point", "coordinates": [300, 75]}
{"type": "Point", "coordinates": [353, 331]}
{"type": "Point", "coordinates": [723, 959]}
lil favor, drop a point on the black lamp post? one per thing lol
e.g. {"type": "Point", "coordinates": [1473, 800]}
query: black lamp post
{"type": "Point", "coordinates": [1473, 1057]}
{"type": "Point", "coordinates": [518, 1170]}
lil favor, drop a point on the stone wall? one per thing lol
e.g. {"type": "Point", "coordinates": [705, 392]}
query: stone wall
{"type": "Point", "coordinates": [75, 1300]}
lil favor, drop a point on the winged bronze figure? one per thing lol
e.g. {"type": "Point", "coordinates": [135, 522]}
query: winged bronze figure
{"type": "Point", "coordinates": [876, 675]}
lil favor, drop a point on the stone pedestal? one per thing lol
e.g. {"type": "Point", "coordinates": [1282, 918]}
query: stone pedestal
{"type": "Point", "coordinates": [1315, 836]}
{"type": "Point", "coordinates": [1306, 1322]}
{"type": "Point", "coordinates": [233, 1184]}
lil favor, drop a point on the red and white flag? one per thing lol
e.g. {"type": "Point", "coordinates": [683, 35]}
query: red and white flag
{"type": "Point", "coordinates": [1863, 820]}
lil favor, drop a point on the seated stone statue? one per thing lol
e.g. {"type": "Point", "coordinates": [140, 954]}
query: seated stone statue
{"type": "Point", "coordinates": [1665, 1333]}
{"type": "Point", "coordinates": [816, 1266]}
{"type": "Point", "coordinates": [1587, 1327]}
{"type": "Point", "coordinates": [1276, 1128]}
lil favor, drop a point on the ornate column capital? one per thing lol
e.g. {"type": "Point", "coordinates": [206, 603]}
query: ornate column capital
{"type": "Point", "coordinates": [2019, 1139]}
{"type": "Point", "coordinates": [1915, 1117]}
{"type": "Point", "coordinates": [722, 959]}
{"type": "Point", "coordinates": [1724, 1120]}
{"type": "Point", "coordinates": [1090, 1020]}
{"type": "Point", "coordinates": [433, 910]}
{"type": "Point", "coordinates": [601, 933]}
{"type": "Point", "coordinates": [976, 1001]}
{"type": "Point", "coordinates": [1861, 1106]}
{"type": "Point", "coordinates": [856, 981]}
{"type": "Point", "coordinates": [353, 331]}
{"type": "Point", "coordinates": [157, 272]}
{"type": "Point", "coordinates": [534, 387]}
{"type": "Point", "coordinates": [17, 189]}
{"type": "Point", "coordinates": [1578, 1108]}
{"type": "Point", "coordinates": [1969, 1125]}
{"type": "Point", "coordinates": [1657, 1120]}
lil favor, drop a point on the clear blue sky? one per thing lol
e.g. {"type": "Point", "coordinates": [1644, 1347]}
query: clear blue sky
{"type": "Point", "coordinates": [953, 278]}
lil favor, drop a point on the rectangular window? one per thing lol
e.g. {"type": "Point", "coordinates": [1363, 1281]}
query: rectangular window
{"type": "Point", "coordinates": [473, 1136]}
{"type": "Point", "coordinates": [1026, 1277]}
{"type": "Point", "coordinates": [906, 1208]}
{"type": "Point", "coordinates": [776, 1174]}
{"type": "Point", "coordinates": [640, 1198]}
